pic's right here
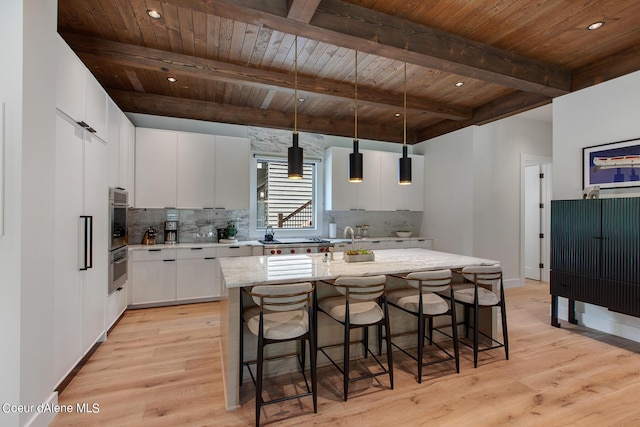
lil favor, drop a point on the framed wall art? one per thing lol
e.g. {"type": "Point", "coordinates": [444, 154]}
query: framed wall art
{"type": "Point", "coordinates": [614, 165]}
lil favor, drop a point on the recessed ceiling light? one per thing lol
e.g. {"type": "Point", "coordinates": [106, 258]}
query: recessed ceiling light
{"type": "Point", "coordinates": [300, 99]}
{"type": "Point", "coordinates": [397, 114]}
{"type": "Point", "coordinates": [154, 14]}
{"type": "Point", "coordinates": [459, 84]}
{"type": "Point", "coordinates": [595, 25]}
{"type": "Point", "coordinates": [172, 79]}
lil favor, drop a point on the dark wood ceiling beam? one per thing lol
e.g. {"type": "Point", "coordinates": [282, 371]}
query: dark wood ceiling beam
{"type": "Point", "coordinates": [346, 25]}
{"type": "Point", "coordinates": [94, 49]}
{"type": "Point", "coordinates": [505, 106]}
{"type": "Point", "coordinates": [302, 10]}
{"type": "Point", "coordinates": [144, 103]}
{"type": "Point", "coordinates": [611, 67]}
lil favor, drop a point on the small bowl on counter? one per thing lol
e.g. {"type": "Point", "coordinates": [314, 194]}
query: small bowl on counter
{"type": "Point", "coordinates": [404, 233]}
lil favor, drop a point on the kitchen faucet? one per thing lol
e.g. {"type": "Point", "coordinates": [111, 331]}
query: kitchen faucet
{"type": "Point", "coordinates": [348, 229]}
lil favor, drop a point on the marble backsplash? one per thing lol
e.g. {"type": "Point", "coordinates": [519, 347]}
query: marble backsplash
{"type": "Point", "coordinates": [200, 225]}
{"type": "Point", "coordinates": [381, 223]}
{"type": "Point", "coordinates": [194, 225]}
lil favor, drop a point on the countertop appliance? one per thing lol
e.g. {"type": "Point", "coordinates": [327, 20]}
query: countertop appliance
{"type": "Point", "coordinates": [295, 246]}
{"type": "Point", "coordinates": [118, 231]}
{"type": "Point", "coordinates": [171, 232]}
{"type": "Point", "coordinates": [149, 237]}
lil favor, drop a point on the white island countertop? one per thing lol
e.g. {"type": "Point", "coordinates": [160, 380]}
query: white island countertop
{"type": "Point", "coordinates": [256, 270]}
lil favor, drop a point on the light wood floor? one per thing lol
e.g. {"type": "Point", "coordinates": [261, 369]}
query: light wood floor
{"type": "Point", "coordinates": [162, 367]}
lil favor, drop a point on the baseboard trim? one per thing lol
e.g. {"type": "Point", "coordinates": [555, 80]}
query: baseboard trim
{"type": "Point", "coordinates": [44, 418]}
{"type": "Point", "coordinates": [65, 382]}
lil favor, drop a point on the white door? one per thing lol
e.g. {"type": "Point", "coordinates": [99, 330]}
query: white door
{"type": "Point", "coordinates": [532, 222]}
{"type": "Point", "coordinates": [68, 279]}
{"type": "Point", "coordinates": [96, 206]}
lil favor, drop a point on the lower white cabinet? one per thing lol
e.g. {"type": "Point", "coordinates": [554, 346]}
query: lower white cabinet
{"type": "Point", "coordinates": [198, 273]}
{"type": "Point", "coordinates": [170, 275]}
{"type": "Point", "coordinates": [116, 305]}
{"type": "Point", "coordinates": [154, 276]}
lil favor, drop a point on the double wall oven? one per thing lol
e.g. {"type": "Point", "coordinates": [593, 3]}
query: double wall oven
{"type": "Point", "coordinates": [118, 256]}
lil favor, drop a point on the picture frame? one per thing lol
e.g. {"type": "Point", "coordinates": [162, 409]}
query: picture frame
{"type": "Point", "coordinates": [612, 165]}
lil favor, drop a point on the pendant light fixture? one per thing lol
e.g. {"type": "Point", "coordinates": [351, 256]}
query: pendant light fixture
{"type": "Point", "coordinates": [295, 169]}
{"type": "Point", "coordinates": [404, 170]}
{"type": "Point", "coordinates": [355, 158]}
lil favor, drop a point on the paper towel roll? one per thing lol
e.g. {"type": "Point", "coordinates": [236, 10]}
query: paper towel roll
{"type": "Point", "coordinates": [332, 230]}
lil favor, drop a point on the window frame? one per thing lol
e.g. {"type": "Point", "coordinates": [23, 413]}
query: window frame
{"type": "Point", "coordinates": [317, 192]}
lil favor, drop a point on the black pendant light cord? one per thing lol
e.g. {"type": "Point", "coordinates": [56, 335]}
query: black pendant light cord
{"type": "Point", "coordinates": [355, 158]}
{"type": "Point", "coordinates": [295, 155]}
{"type": "Point", "coordinates": [404, 166]}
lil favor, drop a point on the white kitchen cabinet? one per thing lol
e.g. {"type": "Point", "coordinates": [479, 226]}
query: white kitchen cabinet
{"type": "Point", "coordinates": [156, 167]}
{"type": "Point", "coordinates": [153, 276]}
{"type": "Point", "coordinates": [413, 194]}
{"type": "Point", "coordinates": [81, 239]}
{"type": "Point", "coordinates": [368, 191]}
{"type": "Point", "coordinates": [379, 189]}
{"type": "Point", "coordinates": [70, 81]}
{"type": "Point", "coordinates": [116, 305]}
{"type": "Point", "coordinates": [198, 273]}
{"type": "Point", "coordinates": [340, 194]}
{"type": "Point", "coordinates": [390, 191]}
{"type": "Point", "coordinates": [195, 170]}
{"type": "Point", "coordinates": [127, 136]}
{"type": "Point", "coordinates": [190, 170]}
{"type": "Point", "coordinates": [78, 93]}
{"type": "Point", "coordinates": [232, 170]}
{"type": "Point", "coordinates": [113, 146]}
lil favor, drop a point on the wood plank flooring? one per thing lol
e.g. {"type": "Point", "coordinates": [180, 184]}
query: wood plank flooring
{"type": "Point", "coordinates": [161, 367]}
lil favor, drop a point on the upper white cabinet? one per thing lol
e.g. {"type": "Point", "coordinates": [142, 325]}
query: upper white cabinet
{"type": "Point", "coordinates": [114, 116]}
{"type": "Point", "coordinates": [78, 93]}
{"type": "Point", "coordinates": [379, 189]}
{"type": "Point", "coordinates": [232, 166]}
{"type": "Point", "coordinates": [156, 166]}
{"type": "Point", "coordinates": [195, 170]}
{"type": "Point", "coordinates": [340, 194]}
{"type": "Point", "coordinates": [189, 170]}
{"type": "Point", "coordinates": [344, 195]}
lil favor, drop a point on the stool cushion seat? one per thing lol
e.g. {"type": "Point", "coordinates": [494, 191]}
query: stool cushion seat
{"type": "Point", "coordinates": [485, 296]}
{"type": "Point", "coordinates": [409, 299]}
{"type": "Point", "coordinates": [278, 325]}
{"type": "Point", "coordinates": [360, 312]}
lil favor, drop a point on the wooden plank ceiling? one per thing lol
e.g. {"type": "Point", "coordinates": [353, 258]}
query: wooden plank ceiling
{"type": "Point", "coordinates": [234, 59]}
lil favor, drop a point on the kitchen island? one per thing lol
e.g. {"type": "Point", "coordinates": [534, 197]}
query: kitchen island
{"type": "Point", "coordinates": [241, 272]}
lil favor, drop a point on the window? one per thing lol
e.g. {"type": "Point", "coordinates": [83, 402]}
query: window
{"type": "Point", "coordinates": [282, 202]}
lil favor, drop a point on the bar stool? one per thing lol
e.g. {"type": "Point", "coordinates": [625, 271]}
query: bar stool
{"type": "Point", "coordinates": [283, 313]}
{"type": "Point", "coordinates": [362, 303]}
{"type": "Point", "coordinates": [478, 297]}
{"type": "Point", "coordinates": [421, 301]}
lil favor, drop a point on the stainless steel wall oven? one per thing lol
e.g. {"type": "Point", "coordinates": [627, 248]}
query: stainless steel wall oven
{"type": "Point", "coordinates": [118, 251]}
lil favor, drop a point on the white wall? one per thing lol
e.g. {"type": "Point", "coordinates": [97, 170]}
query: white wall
{"type": "Point", "coordinates": [448, 191]}
{"type": "Point", "coordinates": [26, 256]}
{"type": "Point", "coordinates": [473, 190]}
{"type": "Point", "coordinates": [607, 112]}
{"type": "Point", "coordinates": [10, 94]}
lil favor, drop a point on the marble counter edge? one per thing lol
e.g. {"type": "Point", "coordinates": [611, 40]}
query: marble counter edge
{"type": "Point", "coordinates": [194, 245]}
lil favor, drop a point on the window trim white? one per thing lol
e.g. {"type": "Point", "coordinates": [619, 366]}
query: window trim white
{"type": "Point", "coordinates": [318, 191]}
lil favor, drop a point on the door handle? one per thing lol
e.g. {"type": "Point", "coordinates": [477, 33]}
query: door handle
{"type": "Point", "coordinates": [87, 243]}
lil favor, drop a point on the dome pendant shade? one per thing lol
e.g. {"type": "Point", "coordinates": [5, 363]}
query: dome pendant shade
{"type": "Point", "coordinates": [355, 164]}
{"type": "Point", "coordinates": [404, 175]}
{"type": "Point", "coordinates": [295, 168]}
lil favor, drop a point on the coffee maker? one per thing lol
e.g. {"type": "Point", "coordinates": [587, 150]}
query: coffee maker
{"type": "Point", "coordinates": [171, 232]}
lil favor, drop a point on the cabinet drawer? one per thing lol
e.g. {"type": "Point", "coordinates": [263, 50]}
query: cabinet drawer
{"type": "Point", "coordinates": [153, 254]}
{"type": "Point", "coordinates": [228, 251]}
{"type": "Point", "coordinates": [197, 253]}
